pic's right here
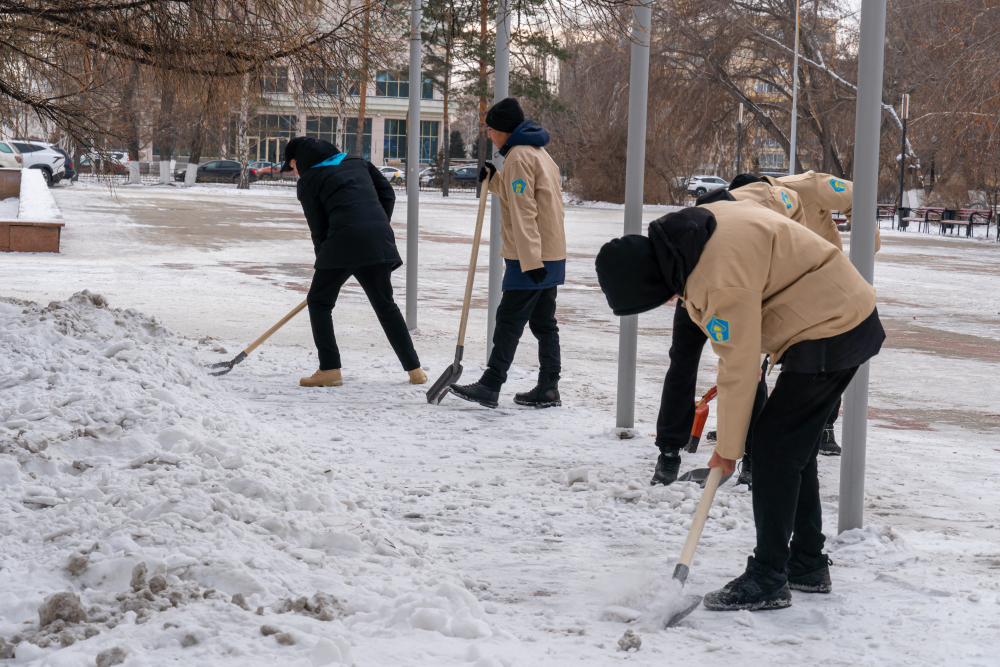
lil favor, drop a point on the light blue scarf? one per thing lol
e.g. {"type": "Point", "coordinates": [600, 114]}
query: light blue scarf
{"type": "Point", "coordinates": [331, 161]}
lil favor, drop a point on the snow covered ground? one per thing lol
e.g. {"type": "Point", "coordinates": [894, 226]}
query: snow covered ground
{"type": "Point", "coordinates": [369, 528]}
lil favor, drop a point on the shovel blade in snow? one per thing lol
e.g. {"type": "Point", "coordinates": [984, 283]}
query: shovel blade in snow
{"type": "Point", "coordinates": [691, 603]}
{"type": "Point", "coordinates": [700, 475]}
{"type": "Point", "coordinates": [227, 366]}
{"type": "Point", "coordinates": [440, 389]}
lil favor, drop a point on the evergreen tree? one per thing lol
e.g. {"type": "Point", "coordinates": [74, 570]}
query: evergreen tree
{"type": "Point", "coordinates": [456, 145]}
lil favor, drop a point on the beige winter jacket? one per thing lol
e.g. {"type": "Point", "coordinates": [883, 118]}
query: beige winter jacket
{"type": "Point", "coordinates": [821, 194]}
{"type": "Point", "coordinates": [531, 207]}
{"type": "Point", "coordinates": [775, 197]}
{"type": "Point", "coordinates": [764, 283]}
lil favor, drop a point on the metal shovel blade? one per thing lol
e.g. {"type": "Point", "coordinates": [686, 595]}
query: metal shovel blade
{"type": "Point", "coordinates": [691, 603]}
{"type": "Point", "coordinates": [440, 389]}
{"type": "Point", "coordinates": [228, 365]}
{"type": "Point", "coordinates": [700, 475]}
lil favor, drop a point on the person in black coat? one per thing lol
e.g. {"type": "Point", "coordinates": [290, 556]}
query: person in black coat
{"type": "Point", "coordinates": [348, 204]}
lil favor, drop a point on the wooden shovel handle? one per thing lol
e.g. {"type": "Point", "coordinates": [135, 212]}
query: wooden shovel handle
{"type": "Point", "coordinates": [700, 516]}
{"type": "Point", "coordinates": [281, 323]}
{"type": "Point", "coordinates": [483, 194]}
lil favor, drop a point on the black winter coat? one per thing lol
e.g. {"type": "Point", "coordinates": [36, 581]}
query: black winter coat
{"type": "Point", "coordinates": [348, 207]}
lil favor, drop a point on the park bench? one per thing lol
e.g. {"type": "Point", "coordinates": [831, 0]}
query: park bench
{"type": "Point", "coordinates": [968, 217]}
{"type": "Point", "coordinates": [885, 212]}
{"type": "Point", "coordinates": [925, 215]}
{"type": "Point", "coordinates": [37, 227]}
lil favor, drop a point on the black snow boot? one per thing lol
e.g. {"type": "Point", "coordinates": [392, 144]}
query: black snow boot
{"type": "Point", "coordinates": [476, 393]}
{"type": "Point", "coordinates": [746, 472]}
{"type": "Point", "coordinates": [828, 444]}
{"type": "Point", "coordinates": [809, 573]}
{"type": "Point", "coordinates": [544, 395]}
{"type": "Point", "coordinates": [712, 436]}
{"type": "Point", "coordinates": [667, 466]}
{"type": "Point", "coordinates": [758, 588]}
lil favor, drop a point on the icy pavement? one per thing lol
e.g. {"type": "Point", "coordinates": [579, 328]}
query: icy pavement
{"type": "Point", "coordinates": [372, 529]}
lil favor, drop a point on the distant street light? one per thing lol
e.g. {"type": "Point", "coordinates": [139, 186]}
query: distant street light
{"type": "Point", "coordinates": [739, 138]}
{"type": "Point", "coordinates": [795, 95]}
{"type": "Point", "coordinates": [904, 112]}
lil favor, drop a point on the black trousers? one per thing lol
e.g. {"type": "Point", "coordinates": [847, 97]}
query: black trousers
{"type": "Point", "coordinates": [375, 281]}
{"type": "Point", "coordinates": [676, 417]}
{"type": "Point", "coordinates": [786, 502]}
{"type": "Point", "coordinates": [832, 419]}
{"type": "Point", "coordinates": [537, 309]}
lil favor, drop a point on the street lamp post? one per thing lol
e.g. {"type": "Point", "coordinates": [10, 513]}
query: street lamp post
{"type": "Point", "coordinates": [904, 111]}
{"type": "Point", "coordinates": [795, 95]}
{"type": "Point", "coordinates": [412, 168]}
{"type": "Point", "coordinates": [739, 139]}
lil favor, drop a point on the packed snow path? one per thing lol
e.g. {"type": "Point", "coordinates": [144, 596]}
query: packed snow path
{"type": "Point", "coordinates": [439, 535]}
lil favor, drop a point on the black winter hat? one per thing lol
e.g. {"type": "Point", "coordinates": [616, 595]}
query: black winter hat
{"type": "Point", "coordinates": [721, 194]}
{"type": "Point", "coordinates": [505, 115]}
{"type": "Point", "coordinates": [630, 276]}
{"type": "Point", "coordinates": [307, 152]}
{"type": "Point", "coordinates": [743, 179]}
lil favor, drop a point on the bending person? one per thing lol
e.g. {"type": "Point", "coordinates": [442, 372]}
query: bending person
{"type": "Point", "coordinates": [757, 282]}
{"type": "Point", "coordinates": [348, 204]}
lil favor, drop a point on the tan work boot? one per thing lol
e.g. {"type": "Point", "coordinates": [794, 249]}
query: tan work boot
{"type": "Point", "coordinates": [331, 378]}
{"type": "Point", "coordinates": [417, 376]}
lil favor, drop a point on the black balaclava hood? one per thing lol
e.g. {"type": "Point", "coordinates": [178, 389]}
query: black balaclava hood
{"type": "Point", "coordinates": [721, 194]}
{"type": "Point", "coordinates": [744, 179]}
{"type": "Point", "coordinates": [307, 153]}
{"type": "Point", "coordinates": [639, 273]}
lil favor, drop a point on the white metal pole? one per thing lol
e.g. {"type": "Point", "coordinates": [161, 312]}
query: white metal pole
{"type": "Point", "coordinates": [635, 162]}
{"type": "Point", "coordinates": [413, 168]}
{"type": "Point", "coordinates": [795, 96]}
{"type": "Point", "coordinates": [868, 116]}
{"type": "Point", "coordinates": [501, 88]}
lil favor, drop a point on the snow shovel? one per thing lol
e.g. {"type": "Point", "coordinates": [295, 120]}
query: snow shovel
{"type": "Point", "coordinates": [700, 417]}
{"type": "Point", "coordinates": [229, 365]}
{"type": "Point", "coordinates": [451, 374]}
{"type": "Point", "coordinates": [691, 602]}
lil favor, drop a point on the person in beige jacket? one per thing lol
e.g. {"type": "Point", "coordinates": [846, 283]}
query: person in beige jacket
{"type": "Point", "coordinates": [534, 251]}
{"type": "Point", "coordinates": [757, 282]}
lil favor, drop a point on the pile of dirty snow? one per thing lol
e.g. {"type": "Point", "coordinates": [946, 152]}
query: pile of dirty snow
{"type": "Point", "coordinates": [147, 511]}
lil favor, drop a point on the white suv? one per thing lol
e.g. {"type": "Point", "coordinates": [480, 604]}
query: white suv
{"type": "Point", "coordinates": [10, 157]}
{"type": "Point", "coordinates": [37, 156]}
{"type": "Point", "coordinates": [700, 185]}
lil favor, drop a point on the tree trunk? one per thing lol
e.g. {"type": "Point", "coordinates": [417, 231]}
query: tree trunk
{"type": "Point", "coordinates": [164, 131]}
{"type": "Point", "coordinates": [242, 129]}
{"type": "Point", "coordinates": [363, 92]}
{"type": "Point", "coordinates": [483, 88]}
{"type": "Point", "coordinates": [446, 180]}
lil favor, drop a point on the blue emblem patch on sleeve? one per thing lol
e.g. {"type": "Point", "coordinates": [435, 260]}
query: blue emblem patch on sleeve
{"type": "Point", "coordinates": [518, 186]}
{"type": "Point", "coordinates": [837, 185]}
{"type": "Point", "coordinates": [718, 330]}
{"type": "Point", "coordinates": [784, 198]}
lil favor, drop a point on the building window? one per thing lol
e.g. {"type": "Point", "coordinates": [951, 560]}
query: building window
{"type": "Point", "coordinates": [767, 88]}
{"type": "Point", "coordinates": [267, 136]}
{"type": "Point", "coordinates": [322, 127]}
{"type": "Point", "coordinates": [394, 147]}
{"type": "Point", "coordinates": [397, 84]}
{"type": "Point", "coordinates": [772, 161]}
{"type": "Point", "coordinates": [392, 84]}
{"type": "Point", "coordinates": [351, 137]}
{"type": "Point", "coordinates": [428, 140]}
{"type": "Point", "coordinates": [274, 80]}
{"type": "Point", "coordinates": [321, 81]}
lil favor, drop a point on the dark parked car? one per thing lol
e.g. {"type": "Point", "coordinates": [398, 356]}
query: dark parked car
{"type": "Point", "coordinates": [218, 171]}
{"type": "Point", "coordinates": [91, 164]}
{"type": "Point", "coordinates": [466, 176]}
{"type": "Point", "coordinates": [70, 166]}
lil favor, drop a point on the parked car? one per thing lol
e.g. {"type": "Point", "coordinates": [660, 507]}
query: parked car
{"type": "Point", "coordinates": [699, 185]}
{"type": "Point", "coordinates": [10, 157]}
{"type": "Point", "coordinates": [37, 156]}
{"type": "Point", "coordinates": [218, 171]}
{"type": "Point", "coordinates": [465, 176]}
{"type": "Point", "coordinates": [70, 165]}
{"type": "Point", "coordinates": [89, 163]}
{"type": "Point", "coordinates": [393, 174]}
{"type": "Point", "coordinates": [268, 170]}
